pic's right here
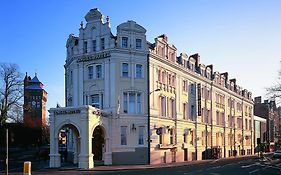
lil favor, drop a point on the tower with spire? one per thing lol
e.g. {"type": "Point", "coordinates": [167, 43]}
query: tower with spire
{"type": "Point", "coordinates": [35, 98]}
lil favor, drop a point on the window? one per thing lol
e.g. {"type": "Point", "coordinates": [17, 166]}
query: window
{"type": "Point", "coordinates": [138, 43]}
{"type": "Point", "coordinates": [162, 101]}
{"type": "Point", "coordinates": [123, 135]}
{"type": "Point", "coordinates": [90, 72]}
{"type": "Point", "coordinates": [208, 95]}
{"type": "Point", "coordinates": [124, 42]}
{"type": "Point", "coordinates": [139, 71]}
{"type": "Point", "coordinates": [98, 71]}
{"type": "Point", "coordinates": [218, 118]}
{"type": "Point", "coordinates": [192, 138]}
{"type": "Point", "coordinates": [38, 104]}
{"type": "Point", "coordinates": [192, 67]}
{"type": "Point", "coordinates": [125, 103]}
{"type": "Point", "coordinates": [97, 100]}
{"type": "Point", "coordinates": [192, 111]}
{"type": "Point", "coordinates": [85, 47]}
{"type": "Point", "coordinates": [192, 88]}
{"type": "Point", "coordinates": [184, 111]}
{"type": "Point", "coordinates": [141, 134]}
{"type": "Point", "coordinates": [161, 136]}
{"type": "Point", "coordinates": [159, 75]}
{"type": "Point", "coordinates": [163, 77]}
{"type": "Point", "coordinates": [132, 102]}
{"type": "Point", "coordinates": [125, 70]}
{"type": "Point", "coordinates": [94, 45]}
{"type": "Point", "coordinates": [138, 103]}
{"type": "Point", "coordinates": [172, 104]}
{"type": "Point", "coordinates": [185, 85]}
{"type": "Point", "coordinates": [171, 136]}
{"type": "Point", "coordinates": [184, 138]}
{"type": "Point", "coordinates": [203, 138]}
{"type": "Point", "coordinates": [132, 107]}
{"type": "Point", "coordinates": [222, 119]}
{"type": "Point", "coordinates": [102, 43]}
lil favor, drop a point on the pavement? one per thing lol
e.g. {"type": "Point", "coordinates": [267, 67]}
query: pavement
{"type": "Point", "coordinates": [70, 168]}
{"type": "Point", "coordinates": [141, 167]}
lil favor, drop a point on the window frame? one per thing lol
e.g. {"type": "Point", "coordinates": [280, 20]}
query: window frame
{"type": "Point", "coordinates": [101, 71]}
{"type": "Point", "coordinates": [124, 42]}
{"type": "Point", "coordinates": [124, 72]}
{"type": "Point", "coordinates": [123, 136]}
{"type": "Point", "coordinates": [141, 135]}
{"type": "Point", "coordinates": [132, 99]}
{"type": "Point", "coordinates": [100, 100]}
{"type": "Point", "coordinates": [90, 72]}
{"type": "Point", "coordinates": [137, 73]}
{"type": "Point", "coordinates": [138, 43]}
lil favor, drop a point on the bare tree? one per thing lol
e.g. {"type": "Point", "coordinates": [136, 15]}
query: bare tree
{"type": "Point", "coordinates": [11, 93]}
{"type": "Point", "coordinates": [274, 92]}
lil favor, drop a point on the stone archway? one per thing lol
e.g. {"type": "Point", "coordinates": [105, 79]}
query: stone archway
{"type": "Point", "coordinates": [82, 121]}
{"type": "Point", "coordinates": [68, 144]}
{"type": "Point", "coordinates": [98, 144]}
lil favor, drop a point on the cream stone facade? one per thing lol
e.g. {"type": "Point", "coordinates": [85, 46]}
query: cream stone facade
{"type": "Point", "coordinates": [109, 74]}
{"type": "Point", "coordinates": [129, 101]}
{"type": "Point", "coordinates": [195, 113]}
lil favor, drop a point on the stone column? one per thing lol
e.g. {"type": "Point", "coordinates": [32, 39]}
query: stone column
{"type": "Point", "coordinates": [108, 153]}
{"type": "Point", "coordinates": [54, 155]}
{"type": "Point", "coordinates": [85, 157]}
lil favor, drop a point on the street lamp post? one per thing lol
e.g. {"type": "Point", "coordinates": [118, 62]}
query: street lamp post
{"type": "Point", "coordinates": [7, 150]}
{"type": "Point", "coordinates": [148, 121]}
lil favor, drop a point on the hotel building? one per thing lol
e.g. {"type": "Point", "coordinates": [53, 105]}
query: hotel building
{"type": "Point", "coordinates": [129, 101]}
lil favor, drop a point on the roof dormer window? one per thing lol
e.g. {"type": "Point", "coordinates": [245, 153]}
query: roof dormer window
{"type": "Point", "coordinates": [102, 43]}
{"type": "Point", "coordinates": [138, 43]}
{"type": "Point", "coordinates": [124, 42]}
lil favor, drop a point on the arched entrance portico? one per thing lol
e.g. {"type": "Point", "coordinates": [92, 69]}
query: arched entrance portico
{"type": "Point", "coordinates": [85, 128]}
{"type": "Point", "coordinates": [98, 145]}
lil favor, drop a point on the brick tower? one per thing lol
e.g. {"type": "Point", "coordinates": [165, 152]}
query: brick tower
{"type": "Point", "coordinates": [35, 98]}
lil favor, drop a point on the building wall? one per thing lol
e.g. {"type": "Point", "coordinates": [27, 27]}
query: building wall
{"type": "Point", "coordinates": [113, 86]}
{"type": "Point", "coordinates": [205, 95]}
{"type": "Point", "coordinates": [191, 108]}
{"type": "Point", "coordinates": [268, 110]}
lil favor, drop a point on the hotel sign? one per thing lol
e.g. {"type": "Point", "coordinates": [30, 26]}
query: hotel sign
{"type": "Point", "coordinates": [97, 56]}
{"type": "Point", "coordinates": [64, 112]}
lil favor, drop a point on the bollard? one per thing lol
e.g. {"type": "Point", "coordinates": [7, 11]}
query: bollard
{"type": "Point", "coordinates": [27, 168]}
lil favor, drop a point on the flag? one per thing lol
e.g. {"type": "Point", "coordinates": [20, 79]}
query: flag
{"type": "Point", "coordinates": [118, 106]}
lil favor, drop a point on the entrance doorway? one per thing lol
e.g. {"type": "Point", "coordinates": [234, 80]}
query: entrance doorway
{"type": "Point", "coordinates": [98, 144]}
{"type": "Point", "coordinates": [185, 152]}
{"type": "Point", "coordinates": [68, 145]}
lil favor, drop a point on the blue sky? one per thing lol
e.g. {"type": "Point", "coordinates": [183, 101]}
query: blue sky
{"type": "Point", "coordinates": [238, 36]}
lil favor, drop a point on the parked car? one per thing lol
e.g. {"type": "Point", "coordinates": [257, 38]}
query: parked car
{"type": "Point", "coordinates": [277, 154]}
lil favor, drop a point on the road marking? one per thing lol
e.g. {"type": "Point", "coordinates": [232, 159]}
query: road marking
{"type": "Point", "coordinates": [229, 164]}
{"type": "Point", "coordinates": [250, 165]}
{"type": "Point", "coordinates": [270, 166]}
{"type": "Point", "coordinates": [254, 171]}
{"type": "Point", "coordinates": [216, 167]}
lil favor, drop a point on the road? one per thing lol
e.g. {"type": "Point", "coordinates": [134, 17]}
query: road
{"type": "Point", "coordinates": [238, 166]}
